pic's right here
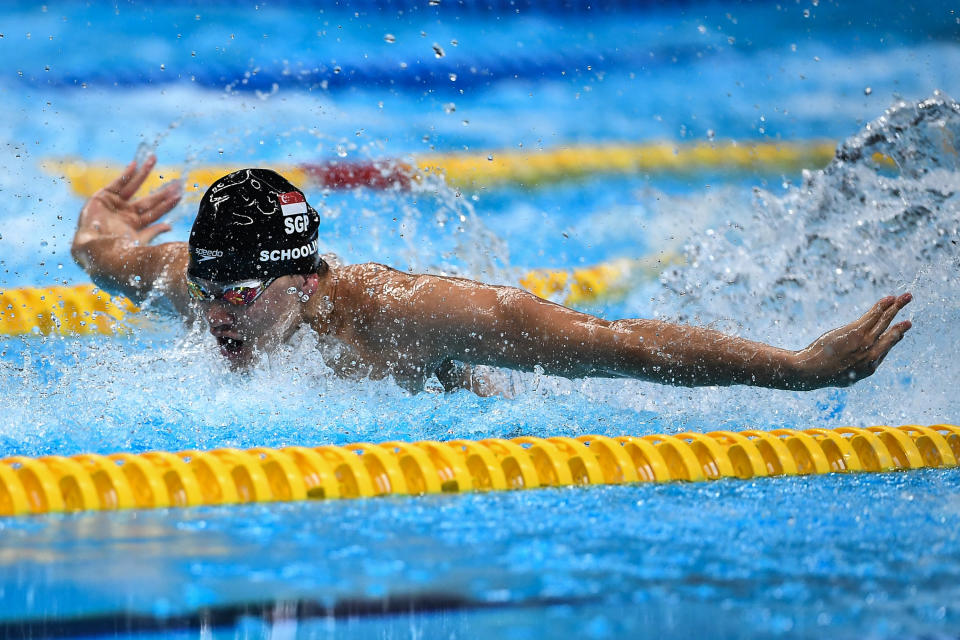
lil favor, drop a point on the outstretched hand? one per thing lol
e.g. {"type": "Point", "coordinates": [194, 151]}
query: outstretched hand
{"type": "Point", "coordinates": [112, 213]}
{"type": "Point", "coordinates": [840, 357]}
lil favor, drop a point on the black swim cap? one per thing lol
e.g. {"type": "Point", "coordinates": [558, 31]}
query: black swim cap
{"type": "Point", "coordinates": [253, 224]}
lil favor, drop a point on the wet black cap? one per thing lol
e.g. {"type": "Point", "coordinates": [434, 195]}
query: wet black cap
{"type": "Point", "coordinates": [253, 224]}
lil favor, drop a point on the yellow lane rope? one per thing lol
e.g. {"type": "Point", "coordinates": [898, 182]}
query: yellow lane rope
{"type": "Point", "coordinates": [605, 281]}
{"type": "Point", "coordinates": [229, 476]}
{"type": "Point", "coordinates": [66, 310]}
{"type": "Point", "coordinates": [477, 170]}
{"type": "Point", "coordinates": [85, 310]}
{"type": "Point", "coordinates": [497, 167]}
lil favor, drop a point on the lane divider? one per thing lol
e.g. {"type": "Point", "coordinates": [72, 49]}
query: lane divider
{"type": "Point", "coordinates": [90, 482]}
{"type": "Point", "coordinates": [538, 167]}
{"type": "Point", "coordinates": [402, 67]}
{"type": "Point", "coordinates": [86, 310]}
{"type": "Point", "coordinates": [477, 170]}
{"type": "Point", "coordinates": [604, 281]}
{"type": "Point", "coordinates": [64, 310]}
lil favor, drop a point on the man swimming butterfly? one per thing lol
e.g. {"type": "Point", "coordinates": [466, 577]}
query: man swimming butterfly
{"type": "Point", "coordinates": [252, 268]}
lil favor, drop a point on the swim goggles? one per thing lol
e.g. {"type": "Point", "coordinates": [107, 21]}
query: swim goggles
{"type": "Point", "coordinates": [236, 293]}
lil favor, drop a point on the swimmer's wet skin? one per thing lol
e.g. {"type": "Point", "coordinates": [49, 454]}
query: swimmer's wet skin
{"type": "Point", "coordinates": [253, 269]}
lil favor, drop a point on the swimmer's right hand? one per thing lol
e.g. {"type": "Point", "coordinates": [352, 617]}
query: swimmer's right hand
{"type": "Point", "coordinates": [111, 213]}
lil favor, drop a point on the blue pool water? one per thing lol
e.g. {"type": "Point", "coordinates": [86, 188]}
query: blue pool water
{"type": "Point", "coordinates": [774, 256]}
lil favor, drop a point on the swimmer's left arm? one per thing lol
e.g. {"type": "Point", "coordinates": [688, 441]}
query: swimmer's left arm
{"type": "Point", "coordinates": [112, 241]}
{"type": "Point", "coordinates": [507, 327]}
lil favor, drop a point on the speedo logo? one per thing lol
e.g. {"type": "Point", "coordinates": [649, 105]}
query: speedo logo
{"type": "Point", "coordinates": [208, 254]}
{"type": "Point", "coordinates": [288, 254]}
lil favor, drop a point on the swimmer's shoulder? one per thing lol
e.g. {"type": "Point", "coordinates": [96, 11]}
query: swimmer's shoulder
{"type": "Point", "coordinates": [370, 274]}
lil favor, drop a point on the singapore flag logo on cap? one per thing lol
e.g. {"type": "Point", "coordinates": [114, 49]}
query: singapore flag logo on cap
{"type": "Point", "coordinates": [292, 203]}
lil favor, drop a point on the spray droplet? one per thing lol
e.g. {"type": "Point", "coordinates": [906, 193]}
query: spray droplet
{"type": "Point", "coordinates": [434, 3]}
{"type": "Point", "coordinates": [438, 50]}
{"type": "Point", "coordinates": [490, 157]}
{"type": "Point", "coordinates": [449, 107]}
{"type": "Point", "coordinates": [453, 77]}
{"type": "Point", "coordinates": [143, 153]}
{"type": "Point", "coordinates": [867, 91]}
{"type": "Point", "coordinates": [711, 134]}
{"type": "Point", "coordinates": [389, 38]}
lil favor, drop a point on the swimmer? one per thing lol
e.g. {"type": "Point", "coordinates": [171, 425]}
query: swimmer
{"type": "Point", "coordinates": [253, 270]}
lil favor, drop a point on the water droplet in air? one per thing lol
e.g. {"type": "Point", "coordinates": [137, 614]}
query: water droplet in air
{"type": "Point", "coordinates": [163, 67]}
{"type": "Point", "coordinates": [337, 69]}
{"type": "Point", "coordinates": [490, 157]}
{"type": "Point", "coordinates": [867, 91]}
{"type": "Point", "coordinates": [438, 50]}
{"type": "Point", "coordinates": [806, 13]}
{"type": "Point", "coordinates": [453, 77]}
{"type": "Point", "coordinates": [449, 107]}
{"type": "Point", "coordinates": [389, 38]}
{"type": "Point", "coordinates": [711, 134]}
{"type": "Point", "coordinates": [454, 43]}
{"type": "Point", "coordinates": [434, 3]}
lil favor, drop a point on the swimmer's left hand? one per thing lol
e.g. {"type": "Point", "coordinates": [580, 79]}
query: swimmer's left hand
{"type": "Point", "coordinates": [840, 357]}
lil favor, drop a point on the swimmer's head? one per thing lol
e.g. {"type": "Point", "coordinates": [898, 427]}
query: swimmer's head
{"type": "Point", "coordinates": [253, 260]}
{"type": "Point", "coordinates": [253, 224]}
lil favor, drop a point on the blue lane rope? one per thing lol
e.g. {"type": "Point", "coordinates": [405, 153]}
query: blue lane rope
{"type": "Point", "coordinates": [482, 70]}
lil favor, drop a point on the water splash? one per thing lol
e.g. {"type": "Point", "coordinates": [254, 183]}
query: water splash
{"type": "Point", "coordinates": [883, 217]}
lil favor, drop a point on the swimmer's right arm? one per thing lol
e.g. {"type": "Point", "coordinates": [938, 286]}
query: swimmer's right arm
{"type": "Point", "coordinates": [112, 241]}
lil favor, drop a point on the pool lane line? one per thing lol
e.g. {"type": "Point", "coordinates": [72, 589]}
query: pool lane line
{"type": "Point", "coordinates": [488, 169]}
{"type": "Point", "coordinates": [67, 310]}
{"type": "Point", "coordinates": [90, 482]}
{"type": "Point", "coordinates": [268, 612]}
{"type": "Point", "coordinates": [84, 309]}
{"type": "Point", "coordinates": [307, 71]}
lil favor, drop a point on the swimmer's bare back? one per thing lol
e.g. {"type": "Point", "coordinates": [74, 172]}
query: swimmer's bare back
{"type": "Point", "coordinates": [409, 326]}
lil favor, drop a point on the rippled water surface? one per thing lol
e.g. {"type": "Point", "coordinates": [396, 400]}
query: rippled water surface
{"type": "Point", "coordinates": [774, 255]}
